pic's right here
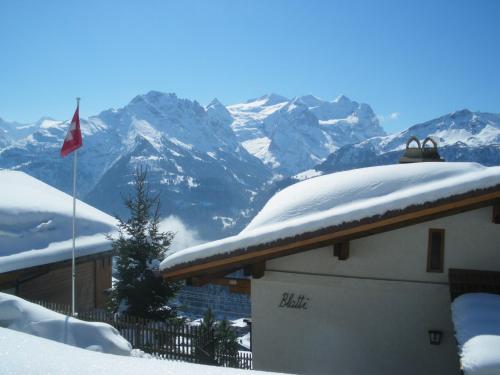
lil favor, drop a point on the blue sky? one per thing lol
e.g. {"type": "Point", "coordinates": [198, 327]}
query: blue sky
{"type": "Point", "coordinates": [411, 61]}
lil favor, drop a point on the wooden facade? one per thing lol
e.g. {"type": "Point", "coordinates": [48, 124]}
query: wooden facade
{"type": "Point", "coordinates": [52, 282]}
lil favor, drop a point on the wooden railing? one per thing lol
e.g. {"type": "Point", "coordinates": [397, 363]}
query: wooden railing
{"type": "Point", "coordinates": [163, 340]}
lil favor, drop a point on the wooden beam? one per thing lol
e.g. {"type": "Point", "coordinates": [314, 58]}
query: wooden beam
{"type": "Point", "coordinates": [311, 241]}
{"type": "Point", "coordinates": [207, 278]}
{"type": "Point", "coordinates": [496, 213]}
{"type": "Point", "coordinates": [341, 250]}
{"type": "Point", "coordinates": [235, 285]}
{"type": "Point", "coordinates": [258, 270]}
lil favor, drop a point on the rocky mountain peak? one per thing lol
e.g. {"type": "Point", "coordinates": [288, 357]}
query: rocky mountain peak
{"type": "Point", "coordinates": [269, 99]}
{"type": "Point", "coordinates": [218, 113]}
{"type": "Point", "coordinates": [310, 100]}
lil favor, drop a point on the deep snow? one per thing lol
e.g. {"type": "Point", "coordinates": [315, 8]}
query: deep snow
{"type": "Point", "coordinates": [22, 354]}
{"type": "Point", "coordinates": [21, 315]}
{"type": "Point", "coordinates": [347, 196]}
{"type": "Point", "coordinates": [36, 224]}
{"type": "Point", "coordinates": [476, 317]}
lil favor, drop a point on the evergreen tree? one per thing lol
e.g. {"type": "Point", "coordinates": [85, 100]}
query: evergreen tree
{"type": "Point", "coordinates": [219, 344]}
{"type": "Point", "coordinates": [226, 343]}
{"type": "Point", "coordinates": [208, 323]}
{"type": "Point", "coordinates": [205, 348]}
{"type": "Point", "coordinates": [140, 247]}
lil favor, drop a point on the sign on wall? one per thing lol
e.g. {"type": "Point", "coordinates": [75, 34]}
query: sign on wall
{"type": "Point", "coordinates": [293, 301]}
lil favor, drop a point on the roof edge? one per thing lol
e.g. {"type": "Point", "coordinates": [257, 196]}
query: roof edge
{"type": "Point", "coordinates": [329, 235]}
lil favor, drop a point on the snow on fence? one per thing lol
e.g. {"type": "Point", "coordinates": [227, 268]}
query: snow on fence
{"type": "Point", "coordinates": [163, 340]}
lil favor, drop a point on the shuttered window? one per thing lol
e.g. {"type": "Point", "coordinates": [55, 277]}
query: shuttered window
{"type": "Point", "coordinates": [435, 252]}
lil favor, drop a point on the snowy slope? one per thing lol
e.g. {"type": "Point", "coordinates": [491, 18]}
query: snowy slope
{"type": "Point", "coordinates": [345, 197]}
{"type": "Point", "coordinates": [195, 162]}
{"type": "Point", "coordinates": [292, 135]}
{"type": "Point", "coordinates": [461, 136]}
{"type": "Point", "coordinates": [34, 149]}
{"type": "Point", "coordinates": [22, 354]}
{"type": "Point", "coordinates": [36, 224]}
{"type": "Point", "coordinates": [23, 316]}
{"type": "Point", "coordinates": [215, 166]}
{"type": "Point", "coordinates": [194, 158]}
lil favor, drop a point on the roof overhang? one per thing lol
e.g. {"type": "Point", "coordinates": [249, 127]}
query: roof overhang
{"type": "Point", "coordinates": [242, 257]}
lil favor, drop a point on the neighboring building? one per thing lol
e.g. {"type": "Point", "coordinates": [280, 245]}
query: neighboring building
{"type": "Point", "coordinates": [36, 244]}
{"type": "Point", "coordinates": [350, 270]}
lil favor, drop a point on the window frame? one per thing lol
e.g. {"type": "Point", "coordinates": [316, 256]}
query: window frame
{"type": "Point", "coordinates": [441, 250]}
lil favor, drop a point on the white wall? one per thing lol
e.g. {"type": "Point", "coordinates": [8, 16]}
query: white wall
{"type": "Point", "coordinates": [371, 313]}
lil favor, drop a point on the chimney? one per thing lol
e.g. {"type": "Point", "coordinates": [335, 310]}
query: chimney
{"type": "Point", "coordinates": [420, 153]}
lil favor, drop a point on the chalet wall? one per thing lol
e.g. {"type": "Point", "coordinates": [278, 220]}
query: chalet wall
{"type": "Point", "coordinates": [92, 278]}
{"type": "Point", "coordinates": [371, 313]}
{"type": "Point", "coordinates": [470, 241]}
{"type": "Point", "coordinates": [103, 272]}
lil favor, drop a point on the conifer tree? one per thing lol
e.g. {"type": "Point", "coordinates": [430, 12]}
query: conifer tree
{"type": "Point", "coordinates": [140, 247]}
{"type": "Point", "coordinates": [227, 343]}
{"type": "Point", "coordinates": [221, 345]}
{"type": "Point", "coordinates": [208, 323]}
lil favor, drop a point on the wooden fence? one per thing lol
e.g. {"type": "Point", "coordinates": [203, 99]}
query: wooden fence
{"type": "Point", "coordinates": [163, 340]}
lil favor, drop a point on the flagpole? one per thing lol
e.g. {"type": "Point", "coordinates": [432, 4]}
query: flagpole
{"type": "Point", "coordinates": [73, 266]}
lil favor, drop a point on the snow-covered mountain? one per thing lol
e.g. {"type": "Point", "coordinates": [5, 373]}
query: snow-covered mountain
{"type": "Point", "coordinates": [215, 166]}
{"type": "Point", "coordinates": [203, 174]}
{"type": "Point", "coordinates": [292, 135]}
{"type": "Point", "coordinates": [461, 136]}
{"type": "Point", "coordinates": [195, 162]}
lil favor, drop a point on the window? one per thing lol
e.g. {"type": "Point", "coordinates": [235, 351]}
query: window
{"type": "Point", "coordinates": [496, 213]}
{"type": "Point", "coordinates": [435, 252]}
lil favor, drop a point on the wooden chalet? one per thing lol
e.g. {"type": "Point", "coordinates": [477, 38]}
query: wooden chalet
{"type": "Point", "coordinates": [36, 246]}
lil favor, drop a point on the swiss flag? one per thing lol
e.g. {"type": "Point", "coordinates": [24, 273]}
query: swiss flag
{"type": "Point", "coordinates": [73, 139]}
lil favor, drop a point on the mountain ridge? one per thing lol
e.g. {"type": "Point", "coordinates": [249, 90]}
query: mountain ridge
{"type": "Point", "coordinates": [215, 165]}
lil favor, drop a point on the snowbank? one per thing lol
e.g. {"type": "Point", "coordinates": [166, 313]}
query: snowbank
{"type": "Point", "coordinates": [344, 197]}
{"type": "Point", "coordinates": [36, 224]}
{"type": "Point", "coordinates": [22, 354]}
{"type": "Point", "coordinates": [476, 317]}
{"type": "Point", "coordinates": [23, 316]}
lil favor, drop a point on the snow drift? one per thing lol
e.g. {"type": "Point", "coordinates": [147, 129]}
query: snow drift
{"type": "Point", "coordinates": [22, 354]}
{"type": "Point", "coordinates": [24, 316]}
{"type": "Point", "coordinates": [476, 317]}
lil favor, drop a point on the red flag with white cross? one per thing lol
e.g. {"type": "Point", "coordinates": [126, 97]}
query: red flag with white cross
{"type": "Point", "coordinates": [73, 138]}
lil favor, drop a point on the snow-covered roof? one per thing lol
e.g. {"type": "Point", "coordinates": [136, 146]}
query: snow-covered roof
{"type": "Point", "coordinates": [345, 197]}
{"type": "Point", "coordinates": [476, 317]}
{"type": "Point", "coordinates": [36, 224]}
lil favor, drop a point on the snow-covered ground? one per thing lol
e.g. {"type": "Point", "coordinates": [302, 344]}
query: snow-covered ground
{"type": "Point", "coordinates": [36, 224]}
{"type": "Point", "coordinates": [344, 197]}
{"type": "Point", "coordinates": [23, 354]}
{"type": "Point", "coordinates": [35, 340]}
{"type": "Point", "coordinates": [476, 317]}
{"type": "Point", "coordinates": [24, 316]}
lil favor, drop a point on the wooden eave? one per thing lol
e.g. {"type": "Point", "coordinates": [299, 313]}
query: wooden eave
{"type": "Point", "coordinates": [334, 234]}
{"type": "Point", "coordinates": [11, 278]}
